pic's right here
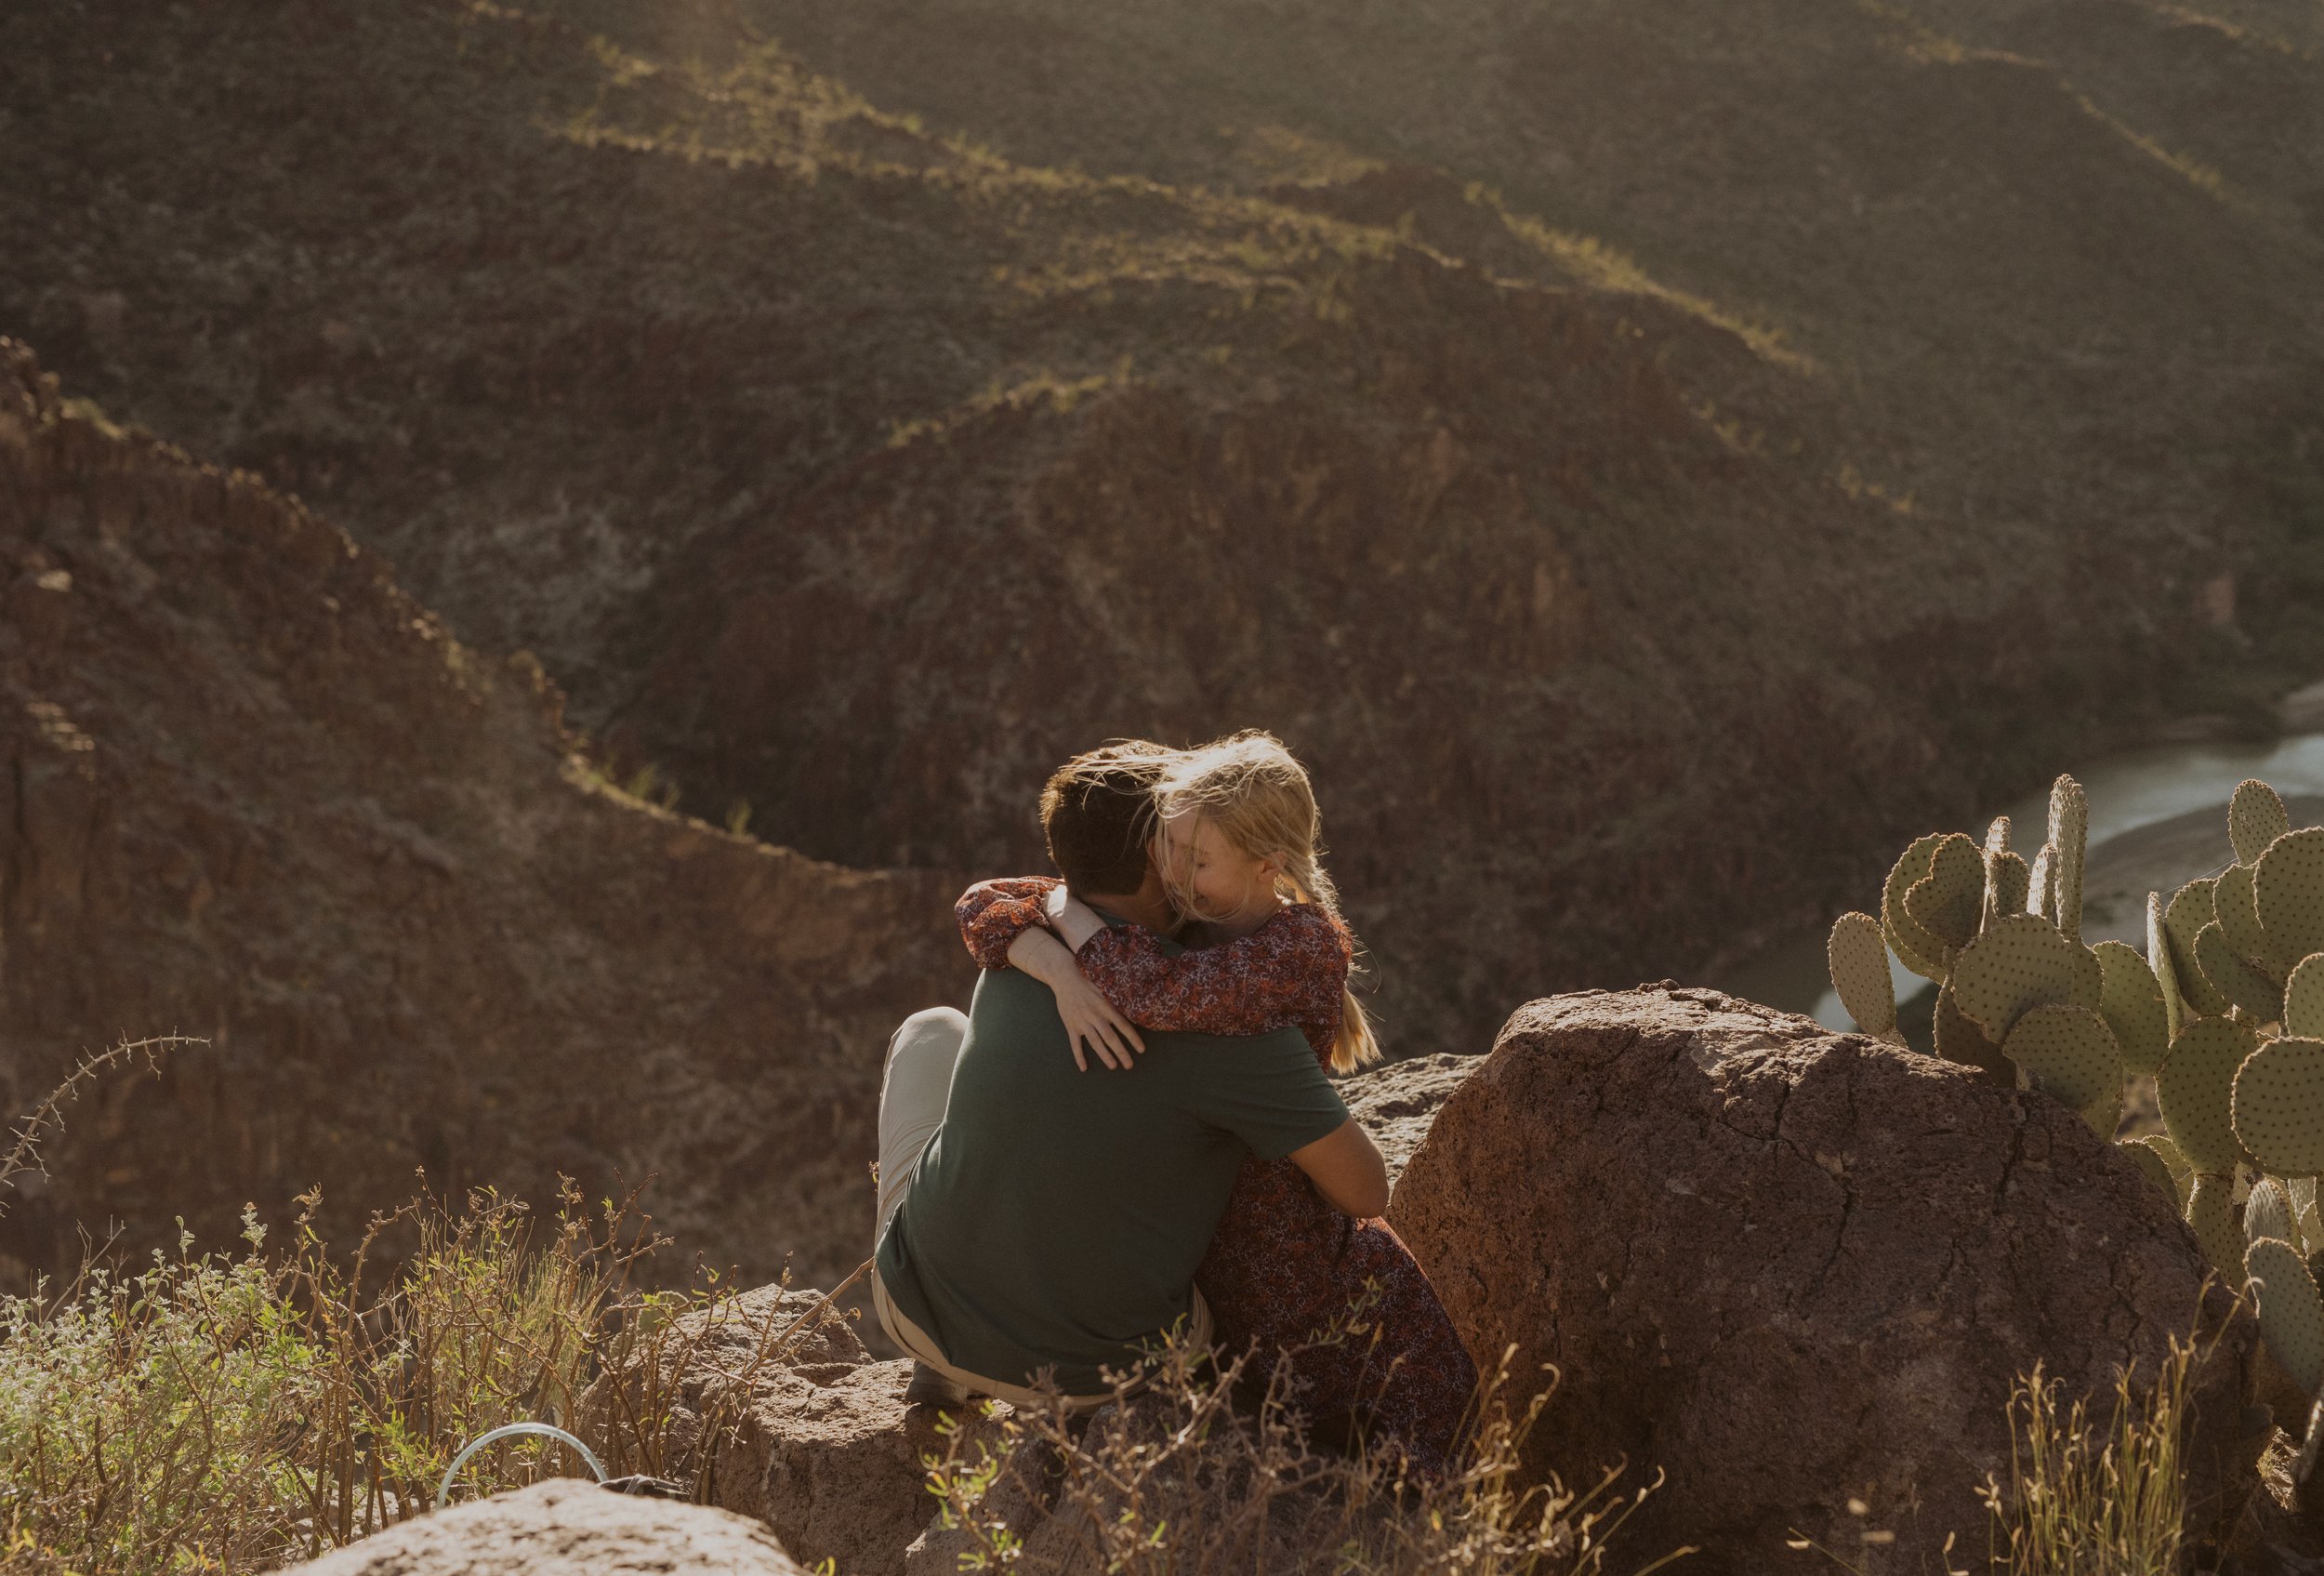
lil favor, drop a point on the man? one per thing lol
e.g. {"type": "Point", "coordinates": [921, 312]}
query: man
{"type": "Point", "coordinates": [1034, 1219]}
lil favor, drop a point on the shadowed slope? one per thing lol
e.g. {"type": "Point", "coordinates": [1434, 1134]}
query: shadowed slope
{"type": "Point", "coordinates": [250, 791]}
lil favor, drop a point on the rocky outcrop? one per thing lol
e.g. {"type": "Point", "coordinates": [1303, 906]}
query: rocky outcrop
{"type": "Point", "coordinates": [1789, 1268]}
{"type": "Point", "coordinates": [1398, 1103]}
{"type": "Point", "coordinates": [565, 1527]}
{"type": "Point", "coordinates": [813, 1436]}
{"type": "Point", "coordinates": [251, 790]}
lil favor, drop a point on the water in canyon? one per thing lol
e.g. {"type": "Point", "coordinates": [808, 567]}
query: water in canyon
{"type": "Point", "coordinates": [2157, 819]}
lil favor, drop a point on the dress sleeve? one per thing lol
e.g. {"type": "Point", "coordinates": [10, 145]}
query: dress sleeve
{"type": "Point", "coordinates": [1287, 973]}
{"type": "Point", "coordinates": [993, 914]}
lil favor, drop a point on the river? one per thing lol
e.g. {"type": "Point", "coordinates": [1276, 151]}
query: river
{"type": "Point", "coordinates": [2157, 819]}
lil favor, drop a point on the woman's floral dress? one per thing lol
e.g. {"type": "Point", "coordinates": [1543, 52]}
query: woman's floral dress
{"type": "Point", "coordinates": [1284, 1266]}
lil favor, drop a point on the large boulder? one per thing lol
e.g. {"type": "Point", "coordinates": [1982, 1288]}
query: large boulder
{"type": "Point", "coordinates": [1791, 1268]}
{"type": "Point", "coordinates": [565, 1527]}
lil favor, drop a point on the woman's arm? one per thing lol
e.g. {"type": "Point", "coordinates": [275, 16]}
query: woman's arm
{"type": "Point", "coordinates": [1087, 1014]}
{"type": "Point", "coordinates": [1288, 973]}
{"type": "Point", "coordinates": [993, 914]}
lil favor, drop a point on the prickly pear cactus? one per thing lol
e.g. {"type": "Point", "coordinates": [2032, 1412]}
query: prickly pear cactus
{"type": "Point", "coordinates": [1915, 948]}
{"type": "Point", "coordinates": [2183, 920]}
{"type": "Point", "coordinates": [2069, 1053]}
{"type": "Point", "coordinates": [2196, 1089]}
{"type": "Point", "coordinates": [2130, 1002]}
{"type": "Point", "coordinates": [2210, 1211]}
{"type": "Point", "coordinates": [2256, 818]}
{"type": "Point", "coordinates": [2019, 963]}
{"type": "Point", "coordinates": [2178, 1176]}
{"type": "Point", "coordinates": [2303, 999]}
{"type": "Point", "coordinates": [2291, 1312]}
{"type": "Point", "coordinates": [1946, 907]}
{"type": "Point", "coordinates": [2278, 1107]}
{"type": "Point", "coordinates": [2289, 893]}
{"type": "Point", "coordinates": [2233, 978]}
{"type": "Point", "coordinates": [2159, 962]}
{"type": "Point", "coordinates": [1859, 972]}
{"type": "Point", "coordinates": [2069, 835]}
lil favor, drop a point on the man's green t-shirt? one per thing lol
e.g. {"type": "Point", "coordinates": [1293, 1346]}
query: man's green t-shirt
{"type": "Point", "coordinates": [1057, 1217]}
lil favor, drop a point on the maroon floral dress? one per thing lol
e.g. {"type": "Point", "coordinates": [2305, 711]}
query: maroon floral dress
{"type": "Point", "coordinates": [1284, 1264]}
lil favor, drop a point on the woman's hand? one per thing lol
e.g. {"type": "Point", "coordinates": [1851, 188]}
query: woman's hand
{"type": "Point", "coordinates": [1089, 1017]}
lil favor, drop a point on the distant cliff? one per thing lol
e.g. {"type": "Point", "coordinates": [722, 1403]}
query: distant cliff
{"type": "Point", "coordinates": [1648, 460]}
{"type": "Point", "coordinates": [250, 791]}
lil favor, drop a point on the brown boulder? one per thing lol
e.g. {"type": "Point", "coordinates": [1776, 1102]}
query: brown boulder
{"type": "Point", "coordinates": [565, 1527]}
{"type": "Point", "coordinates": [1789, 1268]}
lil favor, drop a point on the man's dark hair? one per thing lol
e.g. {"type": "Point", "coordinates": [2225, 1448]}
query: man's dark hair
{"type": "Point", "coordinates": [1096, 813]}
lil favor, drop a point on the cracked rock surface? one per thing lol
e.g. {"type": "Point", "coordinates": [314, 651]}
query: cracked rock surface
{"type": "Point", "coordinates": [565, 1527]}
{"type": "Point", "coordinates": [1789, 1268]}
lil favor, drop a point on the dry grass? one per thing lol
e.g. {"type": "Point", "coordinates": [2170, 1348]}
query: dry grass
{"type": "Point", "coordinates": [1177, 1481]}
{"type": "Point", "coordinates": [2086, 1500]}
{"type": "Point", "coordinates": [240, 1411]}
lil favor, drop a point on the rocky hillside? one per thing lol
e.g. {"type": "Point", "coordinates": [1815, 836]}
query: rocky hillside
{"type": "Point", "coordinates": [250, 791]}
{"type": "Point", "coordinates": [1647, 459]}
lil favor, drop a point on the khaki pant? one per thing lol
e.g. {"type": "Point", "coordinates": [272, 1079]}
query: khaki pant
{"type": "Point", "coordinates": [914, 1091]}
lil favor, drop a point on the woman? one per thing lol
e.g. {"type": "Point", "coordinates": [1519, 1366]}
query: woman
{"type": "Point", "coordinates": [1370, 1348]}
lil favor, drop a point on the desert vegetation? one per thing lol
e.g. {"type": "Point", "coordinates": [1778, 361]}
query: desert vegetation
{"type": "Point", "coordinates": [240, 1411]}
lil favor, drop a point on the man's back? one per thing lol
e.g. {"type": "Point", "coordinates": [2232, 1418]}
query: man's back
{"type": "Point", "coordinates": [1057, 1216]}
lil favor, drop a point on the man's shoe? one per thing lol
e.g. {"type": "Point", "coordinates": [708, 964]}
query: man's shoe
{"type": "Point", "coordinates": [930, 1388]}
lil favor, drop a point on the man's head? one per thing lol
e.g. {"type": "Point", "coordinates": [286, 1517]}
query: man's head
{"type": "Point", "coordinates": [1096, 813]}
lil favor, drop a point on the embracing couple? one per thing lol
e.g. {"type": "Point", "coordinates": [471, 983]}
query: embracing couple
{"type": "Point", "coordinates": [1040, 1218]}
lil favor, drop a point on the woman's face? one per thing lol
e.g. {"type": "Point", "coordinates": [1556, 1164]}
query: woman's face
{"type": "Point", "coordinates": [1225, 882]}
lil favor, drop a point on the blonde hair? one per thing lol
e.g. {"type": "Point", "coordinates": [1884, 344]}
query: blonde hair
{"type": "Point", "coordinates": [1249, 786]}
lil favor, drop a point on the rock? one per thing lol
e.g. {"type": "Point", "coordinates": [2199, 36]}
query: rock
{"type": "Point", "coordinates": [816, 1442]}
{"type": "Point", "coordinates": [1789, 1268]}
{"type": "Point", "coordinates": [1397, 1102]}
{"type": "Point", "coordinates": [565, 1526]}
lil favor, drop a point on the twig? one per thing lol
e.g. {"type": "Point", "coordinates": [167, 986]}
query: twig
{"type": "Point", "coordinates": [48, 1116]}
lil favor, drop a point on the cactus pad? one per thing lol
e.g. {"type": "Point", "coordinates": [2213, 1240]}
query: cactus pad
{"type": "Point", "coordinates": [2290, 890]}
{"type": "Point", "coordinates": [2020, 963]}
{"type": "Point", "coordinates": [2303, 999]}
{"type": "Point", "coordinates": [2291, 1312]}
{"type": "Point", "coordinates": [2151, 1167]}
{"type": "Point", "coordinates": [2159, 962]}
{"type": "Point", "coordinates": [2234, 979]}
{"type": "Point", "coordinates": [1948, 902]}
{"type": "Point", "coordinates": [1859, 972]}
{"type": "Point", "coordinates": [2196, 1088]}
{"type": "Point", "coordinates": [2267, 1214]}
{"type": "Point", "coordinates": [2131, 1003]}
{"type": "Point", "coordinates": [2280, 1107]}
{"type": "Point", "coordinates": [2070, 1055]}
{"type": "Point", "coordinates": [2211, 1210]}
{"type": "Point", "coordinates": [2041, 882]}
{"type": "Point", "coordinates": [1959, 1039]}
{"type": "Point", "coordinates": [2189, 911]}
{"type": "Point", "coordinates": [2007, 882]}
{"type": "Point", "coordinates": [2256, 818]}
{"type": "Point", "coordinates": [1906, 938]}
{"type": "Point", "coordinates": [2238, 911]}
{"type": "Point", "coordinates": [2069, 834]}
{"type": "Point", "coordinates": [2174, 1164]}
